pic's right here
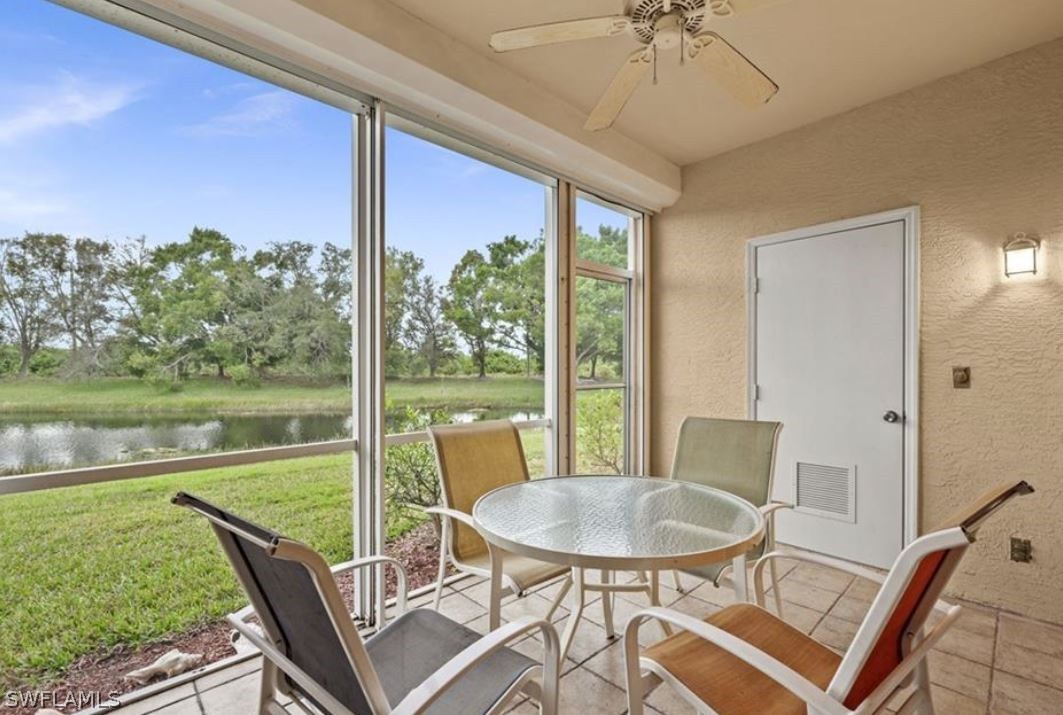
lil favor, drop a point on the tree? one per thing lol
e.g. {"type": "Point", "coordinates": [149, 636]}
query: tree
{"type": "Point", "coordinates": [80, 292]}
{"type": "Point", "coordinates": [429, 332]}
{"type": "Point", "coordinates": [402, 271]}
{"type": "Point", "coordinates": [93, 313]}
{"type": "Point", "coordinates": [518, 292]}
{"type": "Point", "coordinates": [334, 271]}
{"type": "Point", "coordinates": [24, 296]}
{"type": "Point", "coordinates": [470, 307]}
{"type": "Point", "coordinates": [600, 305]}
{"type": "Point", "coordinates": [183, 298]}
{"type": "Point", "coordinates": [288, 263]}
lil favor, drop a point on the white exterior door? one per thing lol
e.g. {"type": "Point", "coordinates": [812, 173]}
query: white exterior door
{"type": "Point", "coordinates": [828, 359]}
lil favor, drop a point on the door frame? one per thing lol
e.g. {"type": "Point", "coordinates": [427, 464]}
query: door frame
{"type": "Point", "coordinates": [909, 216]}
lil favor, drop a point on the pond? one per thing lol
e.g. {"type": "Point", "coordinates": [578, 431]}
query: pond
{"type": "Point", "coordinates": [40, 442]}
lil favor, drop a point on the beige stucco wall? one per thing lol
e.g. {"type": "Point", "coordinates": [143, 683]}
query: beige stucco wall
{"type": "Point", "coordinates": [982, 154]}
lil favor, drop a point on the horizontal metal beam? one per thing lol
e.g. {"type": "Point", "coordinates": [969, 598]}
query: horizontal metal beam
{"type": "Point", "coordinates": [393, 440]}
{"type": "Point", "coordinates": [115, 472]}
{"type": "Point", "coordinates": [180, 465]}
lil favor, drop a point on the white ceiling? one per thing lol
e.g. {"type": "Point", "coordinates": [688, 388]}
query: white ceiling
{"type": "Point", "coordinates": [828, 56]}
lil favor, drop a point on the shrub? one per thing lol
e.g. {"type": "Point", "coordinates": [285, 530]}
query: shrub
{"type": "Point", "coordinates": [500, 362]}
{"type": "Point", "coordinates": [9, 360]}
{"type": "Point", "coordinates": [164, 381]}
{"type": "Point", "coordinates": [141, 365]}
{"type": "Point", "coordinates": [244, 376]}
{"type": "Point", "coordinates": [47, 362]}
{"type": "Point", "coordinates": [410, 476]}
{"type": "Point", "coordinates": [600, 431]}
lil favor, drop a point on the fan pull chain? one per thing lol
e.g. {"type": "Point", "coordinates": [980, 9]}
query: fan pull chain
{"type": "Point", "coordinates": [683, 47]}
{"type": "Point", "coordinates": [655, 64]}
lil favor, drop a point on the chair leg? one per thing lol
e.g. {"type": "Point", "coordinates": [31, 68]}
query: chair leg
{"type": "Point", "coordinates": [444, 544]}
{"type": "Point", "coordinates": [633, 674]}
{"type": "Point", "coordinates": [267, 692]}
{"type": "Point", "coordinates": [641, 576]}
{"type": "Point", "coordinates": [775, 588]}
{"type": "Point", "coordinates": [560, 597]}
{"type": "Point", "coordinates": [677, 582]}
{"type": "Point", "coordinates": [925, 702]}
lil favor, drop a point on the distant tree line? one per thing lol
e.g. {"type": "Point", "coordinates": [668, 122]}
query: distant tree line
{"type": "Point", "coordinates": [207, 305]}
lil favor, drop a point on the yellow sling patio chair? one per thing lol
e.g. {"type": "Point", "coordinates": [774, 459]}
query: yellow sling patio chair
{"type": "Point", "coordinates": [473, 459]}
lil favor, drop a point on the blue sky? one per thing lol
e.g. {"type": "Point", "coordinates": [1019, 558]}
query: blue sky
{"type": "Point", "coordinates": [110, 135]}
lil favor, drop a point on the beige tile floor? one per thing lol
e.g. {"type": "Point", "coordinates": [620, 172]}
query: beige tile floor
{"type": "Point", "coordinates": [990, 662]}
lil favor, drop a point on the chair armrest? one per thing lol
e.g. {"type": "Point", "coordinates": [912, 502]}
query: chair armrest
{"type": "Point", "coordinates": [421, 698]}
{"type": "Point", "coordinates": [400, 574]}
{"type": "Point", "coordinates": [838, 564]}
{"type": "Point", "coordinates": [770, 508]}
{"type": "Point", "coordinates": [453, 514]}
{"type": "Point", "coordinates": [781, 673]}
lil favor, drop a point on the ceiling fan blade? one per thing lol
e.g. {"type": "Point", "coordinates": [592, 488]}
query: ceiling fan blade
{"type": "Point", "coordinates": [727, 8]}
{"type": "Point", "coordinates": [620, 90]}
{"type": "Point", "coordinates": [723, 8]}
{"type": "Point", "coordinates": [728, 67]}
{"type": "Point", "coordinates": [537, 35]}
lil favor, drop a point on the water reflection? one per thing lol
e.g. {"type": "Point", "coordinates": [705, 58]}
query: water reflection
{"type": "Point", "coordinates": [33, 442]}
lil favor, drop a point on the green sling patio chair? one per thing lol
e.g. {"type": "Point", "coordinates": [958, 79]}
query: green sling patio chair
{"type": "Point", "coordinates": [737, 456]}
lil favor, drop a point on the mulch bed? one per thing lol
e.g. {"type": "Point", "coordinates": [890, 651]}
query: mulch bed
{"type": "Point", "coordinates": [417, 550]}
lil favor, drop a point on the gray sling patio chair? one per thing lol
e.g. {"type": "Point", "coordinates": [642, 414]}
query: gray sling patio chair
{"type": "Point", "coordinates": [737, 456]}
{"type": "Point", "coordinates": [422, 662]}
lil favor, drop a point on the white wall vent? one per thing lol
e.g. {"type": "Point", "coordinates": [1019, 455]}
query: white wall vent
{"type": "Point", "coordinates": [825, 490]}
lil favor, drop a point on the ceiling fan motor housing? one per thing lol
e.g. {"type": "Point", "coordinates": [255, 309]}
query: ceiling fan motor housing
{"type": "Point", "coordinates": [664, 20]}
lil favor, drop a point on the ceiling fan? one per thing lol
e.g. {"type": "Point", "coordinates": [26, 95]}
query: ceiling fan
{"type": "Point", "coordinates": [657, 25]}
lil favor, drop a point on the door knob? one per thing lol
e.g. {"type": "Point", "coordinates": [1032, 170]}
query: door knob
{"type": "Point", "coordinates": [891, 417]}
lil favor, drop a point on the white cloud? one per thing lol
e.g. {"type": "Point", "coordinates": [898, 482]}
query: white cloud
{"type": "Point", "coordinates": [18, 209]}
{"type": "Point", "coordinates": [70, 100]}
{"type": "Point", "coordinates": [251, 116]}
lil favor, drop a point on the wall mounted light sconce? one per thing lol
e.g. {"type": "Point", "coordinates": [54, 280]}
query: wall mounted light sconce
{"type": "Point", "coordinates": [1020, 254]}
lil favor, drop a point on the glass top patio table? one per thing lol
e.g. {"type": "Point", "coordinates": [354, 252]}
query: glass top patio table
{"type": "Point", "coordinates": [619, 522]}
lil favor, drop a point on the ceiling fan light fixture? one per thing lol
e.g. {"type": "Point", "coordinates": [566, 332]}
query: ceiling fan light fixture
{"type": "Point", "coordinates": [658, 25]}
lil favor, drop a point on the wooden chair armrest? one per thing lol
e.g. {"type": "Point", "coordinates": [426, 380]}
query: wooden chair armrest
{"type": "Point", "coordinates": [421, 698]}
{"type": "Point", "coordinates": [781, 673]}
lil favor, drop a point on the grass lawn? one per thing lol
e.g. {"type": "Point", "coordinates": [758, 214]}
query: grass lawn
{"type": "Point", "coordinates": [88, 568]}
{"type": "Point", "coordinates": [218, 396]}
{"type": "Point", "coordinates": [91, 567]}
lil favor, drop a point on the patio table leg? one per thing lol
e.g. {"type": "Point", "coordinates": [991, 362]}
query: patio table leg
{"type": "Point", "coordinates": [741, 579]}
{"type": "Point", "coordinates": [494, 609]}
{"type": "Point", "coordinates": [575, 613]}
{"type": "Point", "coordinates": [607, 606]}
{"type": "Point", "coordinates": [655, 598]}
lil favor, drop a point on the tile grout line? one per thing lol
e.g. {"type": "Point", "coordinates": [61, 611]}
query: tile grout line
{"type": "Point", "coordinates": [199, 700]}
{"type": "Point", "coordinates": [993, 661]}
